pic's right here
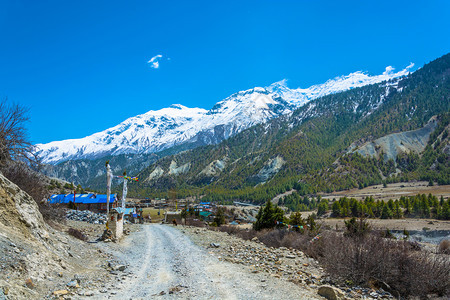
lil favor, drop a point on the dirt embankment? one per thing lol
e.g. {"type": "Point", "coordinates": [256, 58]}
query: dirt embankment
{"type": "Point", "coordinates": [35, 259]}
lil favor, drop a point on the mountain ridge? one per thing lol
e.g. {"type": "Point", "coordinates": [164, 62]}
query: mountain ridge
{"type": "Point", "coordinates": [299, 149]}
{"type": "Point", "coordinates": [177, 125]}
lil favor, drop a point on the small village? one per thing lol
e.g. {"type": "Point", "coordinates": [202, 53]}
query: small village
{"type": "Point", "coordinates": [139, 211]}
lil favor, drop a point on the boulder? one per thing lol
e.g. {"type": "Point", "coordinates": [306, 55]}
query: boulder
{"type": "Point", "coordinates": [60, 292]}
{"type": "Point", "coordinates": [120, 268]}
{"type": "Point", "coordinates": [29, 283]}
{"type": "Point", "coordinates": [330, 293]}
{"type": "Point", "coordinates": [215, 245]}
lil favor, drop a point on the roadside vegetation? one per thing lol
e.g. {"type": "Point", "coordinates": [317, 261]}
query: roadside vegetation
{"type": "Point", "coordinates": [357, 255]}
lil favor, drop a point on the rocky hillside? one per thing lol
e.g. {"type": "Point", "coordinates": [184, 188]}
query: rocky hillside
{"type": "Point", "coordinates": [35, 259]}
{"type": "Point", "coordinates": [390, 146]}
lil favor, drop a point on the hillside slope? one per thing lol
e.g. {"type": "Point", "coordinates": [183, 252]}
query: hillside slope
{"type": "Point", "coordinates": [296, 149]}
{"type": "Point", "coordinates": [35, 259]}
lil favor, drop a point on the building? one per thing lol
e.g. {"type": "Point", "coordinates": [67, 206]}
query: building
{"type": "Point", "coordinates": [93, 202]}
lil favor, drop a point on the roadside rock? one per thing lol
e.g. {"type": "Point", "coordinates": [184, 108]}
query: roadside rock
{"type": "Point", "coordinates": [29, 283]}
{"type": "Point", "coordinates": [120, 268]}
{"type": "Point", "coordinates": [331, 293]}
{"type": "Point", "coordinates": [60, 292]}
{"type": "Point", "coordinates": [73, 284]}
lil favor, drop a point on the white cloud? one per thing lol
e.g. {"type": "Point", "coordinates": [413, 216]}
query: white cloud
{"type": "Point", "coordinates": [154, 63]}
{"type": "Point", "coordinates": [388, 70]}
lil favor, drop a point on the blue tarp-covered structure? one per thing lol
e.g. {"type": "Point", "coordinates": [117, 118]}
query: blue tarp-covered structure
{"type": "Point", "coordinates": [81, 199]}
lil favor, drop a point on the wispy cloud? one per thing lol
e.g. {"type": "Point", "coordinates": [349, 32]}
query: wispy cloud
{"type": "Point", "coordinates": [154, 63]}
{"type": "Point", "coordinates": [389, 70]}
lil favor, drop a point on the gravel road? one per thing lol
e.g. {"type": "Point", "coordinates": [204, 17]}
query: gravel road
{"type": "Point", "coordinates": [163, 263]}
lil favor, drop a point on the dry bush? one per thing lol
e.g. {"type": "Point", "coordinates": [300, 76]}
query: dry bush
{"type": "Point", "coordinates": [271, 238]}
{"type": "Point", "coordinates": [35, 185]}
{"type": "Point", "coordinates": [53, 213]}
{"type": "Point", "coordinates": [195, 222]}
{"type": "Point", "coordinates": [14, 143]}
{"type": "Point", "coordinates": [364, 259]}
{"type": "Point", "coordinates": [230, 229]}
{"type": "Point", "coordinates": [444, 247]}
{"type": "Point", "coordinates": [409, 272]}
{"type": "Point", "coordinates": [77, 234]}
{"type": "Point", "coordinates": [245, 234]}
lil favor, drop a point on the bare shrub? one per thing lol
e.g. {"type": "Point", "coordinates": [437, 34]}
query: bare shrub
{"type": "Point", "coordinates": [230, 229]}
{"type": "Point", "coordinates": [77, 234]}
{"type": "Point", "coordinates": [195, 222]}
{"type": "Point", "coordinates": [444, 247]}
{"type": "Point", "coordinates": [272, 238]}
{"type": "Point", "coordinates": [35, 185]}
{"type": "Point", "coordinates": [53, 213]}
{"type": "Point", "coordinates": [365, 258]}
{"type": "Point", "coordinates": [247, 234]}
{"type": "Point", "coordinates": [295, 240]}
{"type": "Point", "coordinates": [393, 262]}
{"type": "Point", "coordinates": [14, 144]}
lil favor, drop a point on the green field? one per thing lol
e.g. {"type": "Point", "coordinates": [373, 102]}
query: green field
{"type": "Point", "coordinates": [153, 212]}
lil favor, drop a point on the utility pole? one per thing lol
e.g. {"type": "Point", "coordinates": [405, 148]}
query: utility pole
{"type": "Point", "coordinates": [108, 185]}
{"type": "Point", "coordinates": [74, 194]}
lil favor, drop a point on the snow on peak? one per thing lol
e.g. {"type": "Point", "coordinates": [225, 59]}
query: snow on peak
{"type": "Point", "coordinates": [157, 130]}
{"type": "Point", "coordinates": [301, 96]}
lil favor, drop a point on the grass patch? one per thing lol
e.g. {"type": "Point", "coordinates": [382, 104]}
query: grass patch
{"type": "Point", "coordinates": [153, 212]}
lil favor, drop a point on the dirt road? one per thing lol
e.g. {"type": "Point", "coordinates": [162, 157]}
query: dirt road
{"type": "Point", "coordinates": [165, 264]}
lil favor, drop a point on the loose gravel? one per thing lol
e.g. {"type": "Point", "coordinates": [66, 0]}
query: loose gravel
{"type": "Point", "coordinates": [163, 262]}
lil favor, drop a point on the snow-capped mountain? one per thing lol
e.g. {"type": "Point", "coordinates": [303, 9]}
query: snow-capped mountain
{"type": "Point", "coordinates": [176, 125]}
{"type": "Point", "coordinates": [300, 96]}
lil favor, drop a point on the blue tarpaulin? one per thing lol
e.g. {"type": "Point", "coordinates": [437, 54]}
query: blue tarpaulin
{"type": "Point", "coordinates": [81, 198]}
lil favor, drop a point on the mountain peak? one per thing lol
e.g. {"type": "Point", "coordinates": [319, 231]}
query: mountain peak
{"type": "Point", "coordinates": [177, 124]}
{"type": "Point", "coordinates": [301, 96]}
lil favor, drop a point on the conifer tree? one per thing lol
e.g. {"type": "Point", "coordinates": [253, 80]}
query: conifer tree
{"type": "Point", "coordinates": [268, 216]}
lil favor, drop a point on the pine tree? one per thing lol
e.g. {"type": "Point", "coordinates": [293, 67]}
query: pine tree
{"type": "Point", "coordinates": [386, 213]}
{"type": "Point", "coordinates": [398, 213]}
{"type": "Point", "coordinates": [336, 207]}
{"type": "Point", "coordinates": [219, 219]}
{"type": "Point", "coordinates": [322, 208]}
{"type": "Point", "coordinates": [268, 216]}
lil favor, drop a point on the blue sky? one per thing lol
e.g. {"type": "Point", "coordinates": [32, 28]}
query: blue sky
{"type": "Point", "coordinates": [82, 66]}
